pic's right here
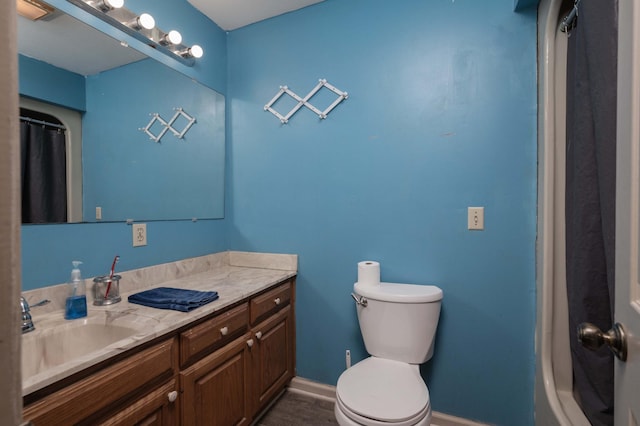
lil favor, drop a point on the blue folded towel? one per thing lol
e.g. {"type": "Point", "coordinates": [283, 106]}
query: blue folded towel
{"type": "Point", "coordinates": [177, 299]}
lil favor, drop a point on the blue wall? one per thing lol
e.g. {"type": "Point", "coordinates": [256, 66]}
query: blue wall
{"type": "Point", "coordinates": [441, 115]}
{"type": "Point", "coordinates": [47, 250]}
{"type": "Point", "coordinates": [120, 163]}
{"type": "Point", "coordinates": [45, 82]}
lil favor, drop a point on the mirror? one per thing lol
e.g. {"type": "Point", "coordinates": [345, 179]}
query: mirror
{"type": "Point", "coordinates": [174, 170]}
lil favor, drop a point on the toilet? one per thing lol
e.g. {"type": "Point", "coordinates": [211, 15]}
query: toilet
{"type": "Point", "coordinates": [398, 324]}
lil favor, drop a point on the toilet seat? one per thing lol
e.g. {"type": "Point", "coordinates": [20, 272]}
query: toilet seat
{"type": "Point", "coordinates": [347, 417]}
{"type": "Point", "coordinates": [379, 391]}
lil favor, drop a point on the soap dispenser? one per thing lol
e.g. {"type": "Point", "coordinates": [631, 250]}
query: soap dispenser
{"type": "Point", "coordinates": [76, 306]}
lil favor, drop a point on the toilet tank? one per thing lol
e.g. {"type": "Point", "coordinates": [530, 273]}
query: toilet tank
{"type": "Point", "coordinates": [399, 321]}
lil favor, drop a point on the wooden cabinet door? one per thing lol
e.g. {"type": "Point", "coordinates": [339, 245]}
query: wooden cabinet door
{"type": "Point", "coordinates": [215, 389]}
{"type": "Point", "coordinates": [272, 357]}
{"type": "Point", "coordinates": [157, 408]}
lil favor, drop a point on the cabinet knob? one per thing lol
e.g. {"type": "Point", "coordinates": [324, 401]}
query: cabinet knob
{"type": "Point", "coordinates": [173, 395]}
{"type": "Point", "coordinates": [259, 335]}
{"type": "Point", "coordinates": [277, 300]}
{"type": "Point", "coordinates": [224, 331]}
{"type": "Point", "coordinates": [250, 342]}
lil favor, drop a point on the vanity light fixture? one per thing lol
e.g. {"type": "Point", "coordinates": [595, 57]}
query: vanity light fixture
{"type": "Point", "coordinates": [194, 51]}
{"type": "Point", "coordinates": [107, 5]}
{"type": "Point", "coordinates": [141, 27]}
{"type": "Point", "coordinates": [33, 9]}
{"type": "Point", "coordinates": [144, 21]}
{"type": "Point", "coordinates": [172, 37]}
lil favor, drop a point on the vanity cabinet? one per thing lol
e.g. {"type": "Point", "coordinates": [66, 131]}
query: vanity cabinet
{"type": "Point", "coordinates": [221, 371]}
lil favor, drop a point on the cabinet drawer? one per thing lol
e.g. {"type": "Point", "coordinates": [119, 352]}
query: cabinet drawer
{"type": "Point", "coordinates": [76, 402]}
{"type": "Point", "coordinates": [272, 301]}
{"type": "Point", "coordinates": [158, 407]}
{"type": "Point", "coordinates": [212, 334]}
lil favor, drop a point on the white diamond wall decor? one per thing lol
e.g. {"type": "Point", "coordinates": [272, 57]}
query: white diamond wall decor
{"type": "Point", "coordinates": [168, 125]}
{"type": "Point", "coordinates": [284, 119]}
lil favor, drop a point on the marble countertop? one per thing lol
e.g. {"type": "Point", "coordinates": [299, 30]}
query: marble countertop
{"type": "Point", "coordinates": [234, 275]}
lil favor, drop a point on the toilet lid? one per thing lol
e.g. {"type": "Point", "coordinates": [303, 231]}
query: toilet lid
{"type": "Point", "coordinates": [400, 293]}
{"type": "Point", "coordinates": [382, 389]}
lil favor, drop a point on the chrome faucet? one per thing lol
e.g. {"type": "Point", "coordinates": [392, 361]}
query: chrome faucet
{"type": "Point", "coordinates": [27, 321]}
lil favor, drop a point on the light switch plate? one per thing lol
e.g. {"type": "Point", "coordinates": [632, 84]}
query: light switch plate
{"type": "Point", "coordinates": [475, 218]}
{"type": "Point", "coordinates": [139, 234]}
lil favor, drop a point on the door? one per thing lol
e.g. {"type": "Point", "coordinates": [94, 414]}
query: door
{"type": "Point", "coordinates": [273, 356]}
{"type": "Point", "coordinates": [10, 379]}
{"type": "Point", "coordinates": [627, 374]}
{"type": "Point", "coordinates": [216, 388]}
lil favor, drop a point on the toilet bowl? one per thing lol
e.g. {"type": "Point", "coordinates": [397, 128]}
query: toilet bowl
{"type": "Point", "coordinates": [379, 391]}
{"type": "Point", "coordinates": [398, 323]}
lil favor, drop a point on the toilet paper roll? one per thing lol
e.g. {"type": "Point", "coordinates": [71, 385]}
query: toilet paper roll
{"type": "Point", "coordinates": [369, 272]}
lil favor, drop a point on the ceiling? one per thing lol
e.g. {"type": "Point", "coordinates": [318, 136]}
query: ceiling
{"type": "Point", "coordinates": [232, 14]}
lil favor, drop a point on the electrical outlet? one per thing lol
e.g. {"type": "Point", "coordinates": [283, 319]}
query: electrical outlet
{"type": "Point", "coordinates": [475, 218]}
{"type": "Point", "coordinates": [139, 234]}
{"type": "Point", "coordinates": [98, 213]}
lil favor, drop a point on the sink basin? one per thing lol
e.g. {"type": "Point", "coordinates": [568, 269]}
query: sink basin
{"type": "Point", "coordinates": [52, 345]}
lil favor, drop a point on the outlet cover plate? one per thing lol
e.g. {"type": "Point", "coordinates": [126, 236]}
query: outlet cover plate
{"type": "Point", "coordinates": [139, 234]}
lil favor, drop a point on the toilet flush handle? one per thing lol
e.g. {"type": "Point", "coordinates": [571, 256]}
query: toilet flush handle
{"type": "Point", "coordinates": [360, 300]}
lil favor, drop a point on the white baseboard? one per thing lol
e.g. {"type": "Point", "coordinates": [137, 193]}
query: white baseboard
{"type": "Point", "coordinates": [311, 388]}
{"type": "Point", "coordinates": [328, 393]}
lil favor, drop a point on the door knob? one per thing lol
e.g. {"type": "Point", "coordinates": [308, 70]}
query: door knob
{"type": "Point", "coordinates": [593, 338]}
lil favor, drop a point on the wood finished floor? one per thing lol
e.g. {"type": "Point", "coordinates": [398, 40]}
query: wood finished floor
{"type": "Point", "coordinates": [294, 409]}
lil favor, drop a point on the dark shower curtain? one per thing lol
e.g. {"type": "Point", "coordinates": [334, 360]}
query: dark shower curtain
{"type": "Point", "coordinates": [590, 198]}
{"type": "Point", "coordinates": [44, 174]}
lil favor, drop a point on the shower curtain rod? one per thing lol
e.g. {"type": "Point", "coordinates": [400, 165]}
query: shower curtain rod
{"type": "Point", "coordinates": [46, 123]}
{"type": "Point", "coordinates": [569, 21]}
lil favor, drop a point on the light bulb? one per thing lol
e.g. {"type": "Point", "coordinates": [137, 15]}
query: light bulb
{"type": "Point", "coordinates": [107, 5]}
{"type": "Point", "coordinates": [196, 51]}
{"type": "Point", "coordinates": [115, 4]}
{"type": "Point", "coordinates": [146, 21]}
{"type": "Point", "coordinates": [172, 37]}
